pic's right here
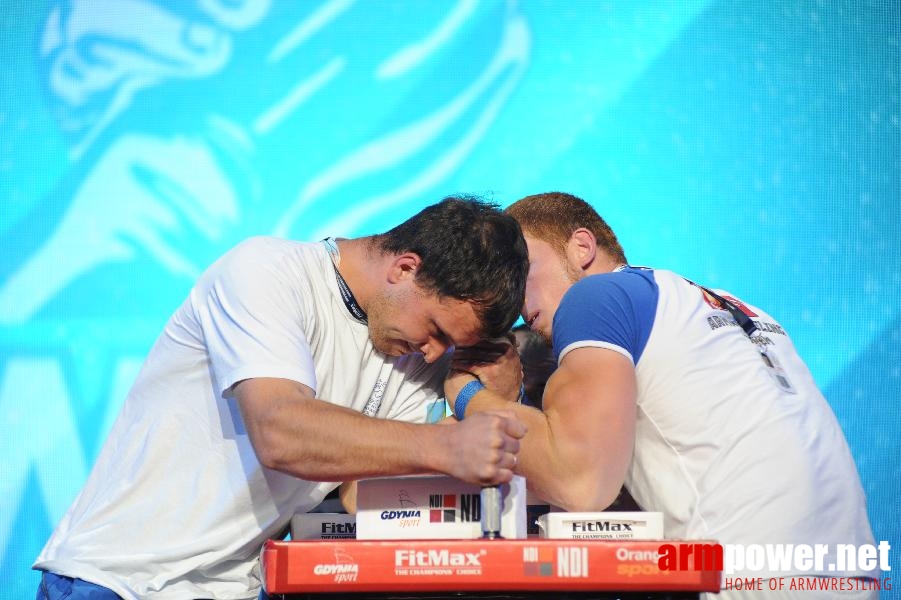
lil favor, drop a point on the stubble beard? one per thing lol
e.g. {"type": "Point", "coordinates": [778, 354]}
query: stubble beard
{"type": "Point", "coordinates": [545, 337]}
{"type": "Point", "coordinates": [382, 310]}
{"type": "Point", "coordinates": [378, 335]}
{"type": "Point", "coordinates": [572, 275]}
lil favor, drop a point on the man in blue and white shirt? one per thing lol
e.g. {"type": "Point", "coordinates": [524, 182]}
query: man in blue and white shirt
{"type": "Point", "coordinates": [694, 400]}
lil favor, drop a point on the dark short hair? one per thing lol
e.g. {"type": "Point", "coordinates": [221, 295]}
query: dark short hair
{"type": "Point", "coordinates": [538, 363]}
{"type": "Point", "coordinates": [554, 216]}
{"type": "Point", "coordinates": [470, 251]}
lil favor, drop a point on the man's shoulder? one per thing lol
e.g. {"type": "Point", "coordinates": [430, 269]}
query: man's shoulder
{"type": "Point", "coordinates": [262, 265]}
{"type": "Point", "coordinates": [625, 294]}
{"type": "Point", "coordinates": [267, 252]}
{"type": "Point", "coordinates": [614, 310]}
{"type": "Point", "coordinates": [268, 243]}
{"type": "Point", "coordinates": [626, 282]}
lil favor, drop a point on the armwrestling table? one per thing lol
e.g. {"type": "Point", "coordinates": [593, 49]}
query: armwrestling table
{"type": "Point", "coordinates": [477, 568]}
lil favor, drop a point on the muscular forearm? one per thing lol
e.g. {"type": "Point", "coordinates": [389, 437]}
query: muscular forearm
{"type": "Point", "coordinates": [558, 467]}
{"type": "Point", "coordinates": [296, 433]}
{"type": "Point", "coordinates": [315, 440]}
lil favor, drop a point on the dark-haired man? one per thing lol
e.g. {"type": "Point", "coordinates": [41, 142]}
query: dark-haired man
{"type": "Point", "coordinates": [696, 400]}
{"type": "Point", "coordinates": [289, 365]}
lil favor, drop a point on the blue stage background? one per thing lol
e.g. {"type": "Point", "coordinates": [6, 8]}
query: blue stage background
{"type": "Point", "coordinates": [751, 145]}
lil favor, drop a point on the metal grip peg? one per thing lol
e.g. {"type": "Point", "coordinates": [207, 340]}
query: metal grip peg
{"type": "Point", "coordinates": [492, 509]}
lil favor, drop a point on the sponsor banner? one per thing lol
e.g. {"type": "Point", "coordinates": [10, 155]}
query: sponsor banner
{"type": "Point", "coordinates": [433, 507]}
{"type": "Point", "coordinates": [323, 526]}
{"type": "Point", "coordinates": [608, 525]}
{"type": "Point", "coordinates": [471, 565]}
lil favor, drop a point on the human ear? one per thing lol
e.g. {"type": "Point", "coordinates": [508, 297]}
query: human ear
{"type": "Point", "coordinates": [582, 248]}
{"type": "Point", "coordinates": [404, 266]}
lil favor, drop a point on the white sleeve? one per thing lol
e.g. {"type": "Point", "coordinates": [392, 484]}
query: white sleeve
{"type": "Point", "coordinates": [251, 315]}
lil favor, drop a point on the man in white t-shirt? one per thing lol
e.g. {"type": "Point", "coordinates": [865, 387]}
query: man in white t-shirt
{"type": "Point", "coordinates": [697, 401]}
{"type": "Point", "coordinates": [290, 367]}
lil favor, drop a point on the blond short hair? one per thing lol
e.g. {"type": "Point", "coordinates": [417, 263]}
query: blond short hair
{"type": "Point", "coordinates": [554, 216]}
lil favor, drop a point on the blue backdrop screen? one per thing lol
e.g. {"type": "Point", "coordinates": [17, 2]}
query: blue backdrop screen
{"type": "Point", "coordinates": [750, 145]}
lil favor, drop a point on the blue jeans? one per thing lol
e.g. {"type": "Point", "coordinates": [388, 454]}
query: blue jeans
{"type": "Point", "coordinates": [57, 587]}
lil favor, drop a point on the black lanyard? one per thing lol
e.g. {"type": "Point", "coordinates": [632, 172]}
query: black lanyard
{"type": "Point", "coordinates": [353, 307]}
{"type": "Point", "coordinates": [741, 318]}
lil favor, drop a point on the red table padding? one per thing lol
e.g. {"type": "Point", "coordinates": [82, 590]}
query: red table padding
{"type": "Point", "coordinates": [534, 564]}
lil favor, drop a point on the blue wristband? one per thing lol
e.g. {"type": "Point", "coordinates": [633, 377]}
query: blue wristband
{"type": "Point", "coordinates": [466, 393]}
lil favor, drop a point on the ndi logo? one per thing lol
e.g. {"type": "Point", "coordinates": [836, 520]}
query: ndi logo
{"type": "Point", "coordinates": [572, 562]}
{"type": "Point", "coordinates": [568, 562]}
{"type": "Point", "coordinates": [443, 508]}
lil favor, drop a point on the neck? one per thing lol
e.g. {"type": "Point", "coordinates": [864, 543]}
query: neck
{"type": "Point", "coordinates": [360, 267]}
{"type": "Point", "coordinates": [601, 264]}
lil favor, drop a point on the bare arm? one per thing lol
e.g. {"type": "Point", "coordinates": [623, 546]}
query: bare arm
{"type": "Point", "coordinates": [347, 493]}
{"type": "Point", "coordinates": [294, 432]}
{"type": "Point", "coordinates": [579, 447]}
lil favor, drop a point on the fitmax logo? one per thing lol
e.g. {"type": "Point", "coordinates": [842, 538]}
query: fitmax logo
{"type": "Point", "coordinates": [331, 528]}
{"type": "Point", "coordinates": [436, 558]}
{"type": "Point", "coordinates": [596, 526]}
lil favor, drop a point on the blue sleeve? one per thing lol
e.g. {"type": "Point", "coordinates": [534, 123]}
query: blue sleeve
{"type": "Point", "coordinates": [611, 310]}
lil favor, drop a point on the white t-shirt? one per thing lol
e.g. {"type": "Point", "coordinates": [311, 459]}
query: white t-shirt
{"type": "Point", "coordinates": [177, 504]}
{"type": "Point", "coordinates": [722, 447]}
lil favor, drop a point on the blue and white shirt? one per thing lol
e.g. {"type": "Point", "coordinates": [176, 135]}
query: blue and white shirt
{"type": "Point", "coordinates": [722, 448]}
